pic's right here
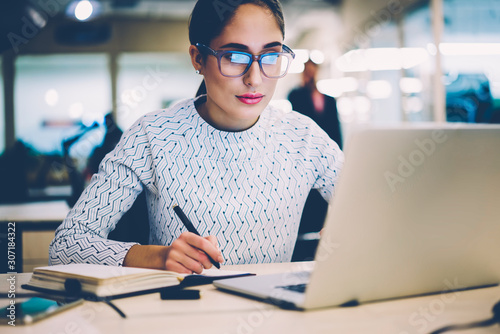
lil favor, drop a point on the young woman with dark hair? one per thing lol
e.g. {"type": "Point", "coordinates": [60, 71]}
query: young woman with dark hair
{"type": "Point", "coordinates": [240, 168]}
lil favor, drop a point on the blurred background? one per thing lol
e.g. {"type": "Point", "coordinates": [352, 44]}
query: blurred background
{"type": "Point", "coordinates": [76, 72]}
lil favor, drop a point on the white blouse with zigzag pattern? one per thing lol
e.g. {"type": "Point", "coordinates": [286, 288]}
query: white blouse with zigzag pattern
{"type": "Point", "coordinates": [247, 188]}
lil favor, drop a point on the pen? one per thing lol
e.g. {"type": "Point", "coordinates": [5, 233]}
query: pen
{"type": "Point", "coordinates": [185, 220]}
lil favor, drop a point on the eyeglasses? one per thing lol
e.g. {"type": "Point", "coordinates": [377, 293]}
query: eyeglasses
{"type": "Point", "coordinates": [234, 64]}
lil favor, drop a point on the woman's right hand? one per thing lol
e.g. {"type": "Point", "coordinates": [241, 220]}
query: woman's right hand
{"type": "Point", "coordinates": [188, 253]}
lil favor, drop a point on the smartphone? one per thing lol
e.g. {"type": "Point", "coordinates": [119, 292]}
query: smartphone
{"type": "Point", "coordinates": [33, 309]}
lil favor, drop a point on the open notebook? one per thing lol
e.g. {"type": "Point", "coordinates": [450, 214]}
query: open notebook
{"type": "Point", "coordinates": [100, 281]}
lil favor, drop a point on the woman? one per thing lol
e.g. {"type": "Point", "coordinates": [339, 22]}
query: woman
{"type": "Point", "coordinates": [240, 169]}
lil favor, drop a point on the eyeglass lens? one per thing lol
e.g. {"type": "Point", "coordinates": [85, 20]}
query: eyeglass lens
{"type": "Point", "coordinates": [273, 65]}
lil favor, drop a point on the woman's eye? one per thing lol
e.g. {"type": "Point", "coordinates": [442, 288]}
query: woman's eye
{"type": "Point", "coordinates": [238, 58]}
{"type": "Point", "coordinates": [270, 59]}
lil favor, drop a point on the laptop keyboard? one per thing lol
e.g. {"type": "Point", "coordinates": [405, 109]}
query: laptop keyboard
{"type": "Point", "coordinates": [302, 277]}
{"type": "Point", "coordinates": [296, 287]}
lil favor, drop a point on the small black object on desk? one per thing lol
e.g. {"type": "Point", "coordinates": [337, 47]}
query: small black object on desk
{"type": "Point", "coordinates": [179, 294]}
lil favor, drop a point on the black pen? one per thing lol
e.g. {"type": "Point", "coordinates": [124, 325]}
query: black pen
{"type": "Point", "coordinates": [185, 220]}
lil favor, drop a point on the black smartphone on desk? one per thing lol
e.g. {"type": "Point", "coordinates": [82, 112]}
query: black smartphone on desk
{"type": "Point", "coordinates": [33, 309]}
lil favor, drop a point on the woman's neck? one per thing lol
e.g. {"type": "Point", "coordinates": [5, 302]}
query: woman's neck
{"type": "Point", "coordinates": [204, 108]}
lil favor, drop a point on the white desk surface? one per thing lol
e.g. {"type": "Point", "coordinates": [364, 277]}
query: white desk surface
{"type": "Point", "coordinates": [34, 212]}
{"type": "Point", "coordinates": [222, 313]}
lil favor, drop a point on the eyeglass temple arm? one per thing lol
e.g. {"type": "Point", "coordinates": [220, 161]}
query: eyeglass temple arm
{"type": "Point", "coordinates": [203, 46]}
{"type": "Point", "coordinates": [287, 49]}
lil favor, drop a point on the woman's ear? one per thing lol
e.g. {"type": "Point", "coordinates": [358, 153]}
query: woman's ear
{"type": "Point", "coordinates": [196, 58]}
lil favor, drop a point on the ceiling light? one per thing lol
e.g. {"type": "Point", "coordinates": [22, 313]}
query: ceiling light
{"type": "Point", "coordinates": [83, 10]}
{"type": "Point", "coordinates": [378, 89]}
{"type": "Point", "coordinates": [317, 57]}
{"type": "Point", "coordinates": [470, 49]}
{"type": "Point", "coordinates": [336, 87]}
{"type": "Point", "coordinates": [51, 97]}
{"type": "Point", "coordinates": [410, 85]}
{"type": "Point", "coordinates": [301, 55]}
{"type": "Point", "coordinates": [381, 59]}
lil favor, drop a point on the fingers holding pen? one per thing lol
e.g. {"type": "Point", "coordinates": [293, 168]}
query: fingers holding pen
{"type": "Point", "coordinates": [181, 264]}
{"type": "Point", "coordinates": [189, 253]}
{"type": "Point", "coordinates": [218, 255]}
{"type": "Point", "coordinates": [207, 245]}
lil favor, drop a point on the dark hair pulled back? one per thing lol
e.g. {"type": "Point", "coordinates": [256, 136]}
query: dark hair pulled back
{"type": "Point", "coordinates": [209, 17]}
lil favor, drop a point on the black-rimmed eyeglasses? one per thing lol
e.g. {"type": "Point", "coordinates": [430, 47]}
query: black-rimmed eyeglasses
{"type": "Point", "coordinates": [234, 64]}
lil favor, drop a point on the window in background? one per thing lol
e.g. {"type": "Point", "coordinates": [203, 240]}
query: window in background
{"type": "Point", "coordinates": [382, 88]}
{"type": "Point", "coordinates": [2, 112]}
{"type": "Point", "coordinates": [369, 90]}
{"type": "Point", "coordinates": [152, 81]}
{"type": "Point", "coordinates": [470, 53]}
{"type": "Point", "coordinates": [416, 83]}
{"type": "Point", "coordinates": [58, 96]}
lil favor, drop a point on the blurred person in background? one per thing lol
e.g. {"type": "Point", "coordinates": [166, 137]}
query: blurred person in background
{"type": "Point", "coordinates": [308, 100]}
{"type": "Point", "coordinates": [322, 108]}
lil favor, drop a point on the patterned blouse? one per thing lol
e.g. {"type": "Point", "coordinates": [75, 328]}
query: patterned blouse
{"type": "Point", "coordinates": [246, 188]}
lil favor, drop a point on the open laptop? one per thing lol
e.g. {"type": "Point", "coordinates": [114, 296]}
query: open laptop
{"type": "Point", "coordinates": [417, 211]}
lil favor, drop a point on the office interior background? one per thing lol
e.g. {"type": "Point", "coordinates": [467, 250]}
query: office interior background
{"type": "Point", "coordinates": [70, 63]}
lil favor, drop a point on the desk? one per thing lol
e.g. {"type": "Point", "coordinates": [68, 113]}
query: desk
{"type": "Point", "coordinates": [33, 216]}
{"type": "Point", "coordinates": [223, 313]}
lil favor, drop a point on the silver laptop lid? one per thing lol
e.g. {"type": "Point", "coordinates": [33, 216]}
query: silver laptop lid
{"type": "Point", "coordinates": [417, 210]}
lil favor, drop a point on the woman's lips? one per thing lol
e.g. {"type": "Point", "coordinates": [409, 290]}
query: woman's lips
{"type": "Point", "coordinates": [250, 98]}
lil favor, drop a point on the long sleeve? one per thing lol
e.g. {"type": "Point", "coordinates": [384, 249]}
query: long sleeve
{"type": "Point", "coordinates": [326, 159]}
{"type": "Point", "coordinates": [81, 238]}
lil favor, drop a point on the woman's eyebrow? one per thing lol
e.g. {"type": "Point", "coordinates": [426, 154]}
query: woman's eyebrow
{"type": "Point", "coordinates": [272, 45]}
{"type": "Point", "coordinates": [244, 47]}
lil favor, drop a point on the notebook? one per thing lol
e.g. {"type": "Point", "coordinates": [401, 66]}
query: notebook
{"type": "Point", "coordinates": [416, 211]}
{"type": "Point", "coordinates": [94, 281]}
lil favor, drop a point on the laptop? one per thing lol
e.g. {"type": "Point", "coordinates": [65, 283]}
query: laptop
{"type": "Point", "coordinates": [416, 211]}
